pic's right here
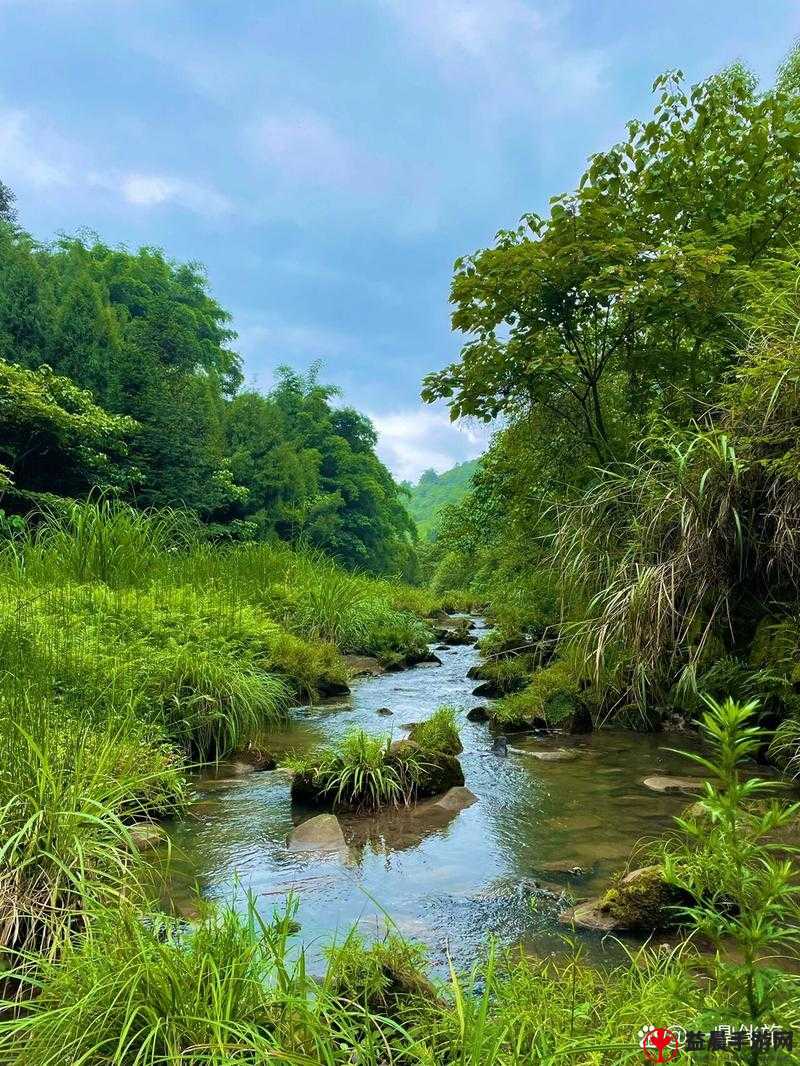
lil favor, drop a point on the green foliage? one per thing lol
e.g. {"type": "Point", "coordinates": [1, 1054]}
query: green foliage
{"type": "Point", "coordinates": [53, 437]}
{"type": "Point", "coordinates": [434, 491]}
{"type": "Point", "coordinates": [133, 993]}
{"type": "Point", "coordinates": [627, 290]}
{"type": "Point", "coordinates": [746, 896]}
{"type": "Point", "coordinates": [439, 733]}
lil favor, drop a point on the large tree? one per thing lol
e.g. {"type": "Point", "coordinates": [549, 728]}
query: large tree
{"type": "Point", "coordinates": [623, 300]}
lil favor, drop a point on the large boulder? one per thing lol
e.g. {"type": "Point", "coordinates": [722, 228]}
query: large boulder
{"type": "Point", "coordinates": [321, 833]}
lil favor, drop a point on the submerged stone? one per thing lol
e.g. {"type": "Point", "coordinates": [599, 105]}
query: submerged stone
{"type": "Point", "coordinates": [569, 869]}
{"type": "Point", "coordinates": [500, 746]}
{"type": "Point", "coordinates": [456, 799]}
{"type": "Point", "coordinates": [321, 833]}
{"type": "Point", "coordinates": [554, 755]}
{"type": "Point", "coordinates": [662, 783]}
{"type": "Point", "coordinates": [385, 712]}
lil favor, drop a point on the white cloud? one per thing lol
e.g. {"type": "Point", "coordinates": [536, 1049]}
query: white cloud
{"type": "Point", "coordinates": [153, 190]}
{"type": "Point", "coordinates": [29, 160]}
{"type": "Point", "coordinates": [512, 48]}
{"type": "Point", "coordinates": [33, 155]}
{"type": "Point", "coordinates": [415, 439]}
{"type": "Point", "coordinates": [303, 146]}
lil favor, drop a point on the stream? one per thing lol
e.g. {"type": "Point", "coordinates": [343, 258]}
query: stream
{"type": "Point", "coordinates": [486, 872]}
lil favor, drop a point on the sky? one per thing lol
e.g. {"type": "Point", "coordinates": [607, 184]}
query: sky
{"type": "Point", "coordinates": [328, 160]}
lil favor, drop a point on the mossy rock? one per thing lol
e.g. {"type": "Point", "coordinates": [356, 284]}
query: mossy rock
{"type": "Point", "coordinates": [441, 771]}
{"type": "Point", "coordinates": [555, 696]}
{"type": "Point", "coordinates": [642, 901]}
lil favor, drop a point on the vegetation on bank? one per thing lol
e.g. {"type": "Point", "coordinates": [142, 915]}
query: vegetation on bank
{"type": "Point", "coordinates": [133, 647]}
{"type": "Point", "coordinates": [637, 517]}
{"type": "Point", "coordinates": [144, 990]}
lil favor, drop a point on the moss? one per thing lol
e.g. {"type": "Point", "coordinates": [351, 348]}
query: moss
{"type": "Point", "coordinates": [555, 696]}
{"type": "Point", "coordinates": [642, 901]}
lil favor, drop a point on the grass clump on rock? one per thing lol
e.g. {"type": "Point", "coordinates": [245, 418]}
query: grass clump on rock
{"type": "Point", "coordinates": [365, 773]}
{"type": "Point", "coordinates": [361, 772]}
{"type": "Point", "coordinates": [439, 733]}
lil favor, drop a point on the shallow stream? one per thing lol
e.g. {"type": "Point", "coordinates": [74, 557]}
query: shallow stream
{"type": "Point", "coordinates": [486, 872]}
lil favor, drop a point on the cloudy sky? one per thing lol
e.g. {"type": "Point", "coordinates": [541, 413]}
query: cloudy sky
{"type": "Point", "coordinates": [328, 159]}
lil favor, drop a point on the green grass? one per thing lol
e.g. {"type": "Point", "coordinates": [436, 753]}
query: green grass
{"type": "Point", "coordinates": [67, 791]}
{"type": "Point", "coordinates": [360, 772]}
{"type": "Point", "coordinates": [439, 733]}
{"type": "Point", "coordinates": [135, 993]}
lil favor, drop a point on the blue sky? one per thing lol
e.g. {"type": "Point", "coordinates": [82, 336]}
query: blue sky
{"type": "Point", "coordinates": [328, 159]}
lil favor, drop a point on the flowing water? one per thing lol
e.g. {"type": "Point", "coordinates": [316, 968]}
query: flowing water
{"type": "Point", "coordinates": [487, 871]}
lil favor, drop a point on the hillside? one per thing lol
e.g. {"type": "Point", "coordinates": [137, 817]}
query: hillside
{"type": "Point", "coordinates": [433, 491]}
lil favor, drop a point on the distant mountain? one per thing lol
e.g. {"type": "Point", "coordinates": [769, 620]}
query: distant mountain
{"type": "Point", "coordinates": [433, 491]}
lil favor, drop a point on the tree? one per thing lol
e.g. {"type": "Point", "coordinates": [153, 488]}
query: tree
{"type": "Point", "coordinates": [623, 300]}
{"type": "Point", "coordinates": [7, 198]}
{"type": "Point", "coordinates": [54, 439]}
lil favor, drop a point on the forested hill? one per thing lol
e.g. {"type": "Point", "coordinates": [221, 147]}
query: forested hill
{"type": "Point", "coordinates": [119, 374]}
{"type": "Point", "coordinates": [434, 491]}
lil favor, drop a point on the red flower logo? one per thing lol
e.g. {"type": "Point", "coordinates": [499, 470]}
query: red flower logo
{"type": "Point", "coordinates": [659, 1045]}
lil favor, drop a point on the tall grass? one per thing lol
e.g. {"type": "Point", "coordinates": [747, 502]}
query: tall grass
{"type": "Point", "coordinates": [131, 993]}
{"type": "Point", "coordinates": [67, 791]}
